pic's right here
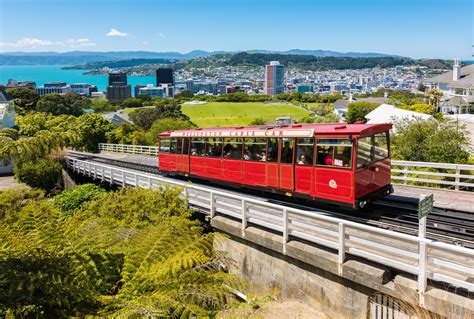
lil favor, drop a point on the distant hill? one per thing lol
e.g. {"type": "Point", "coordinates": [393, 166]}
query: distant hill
{"type": "Point", "coordinates": [118, 64]}
{"type": "Point", "coordinates": [81, 57]}
{"type": "Point", "coordinates": [327, 53]}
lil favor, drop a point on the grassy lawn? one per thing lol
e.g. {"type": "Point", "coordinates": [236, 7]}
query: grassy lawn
{"type": "Point", "coordinates": [234, 113]}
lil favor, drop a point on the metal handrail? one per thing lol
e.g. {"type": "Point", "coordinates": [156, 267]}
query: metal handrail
{"type": "Point", "coordinates": [404, 252]}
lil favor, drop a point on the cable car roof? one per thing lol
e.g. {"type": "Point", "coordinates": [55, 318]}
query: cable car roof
{"type": "Point", "coordinates": [292, 130]}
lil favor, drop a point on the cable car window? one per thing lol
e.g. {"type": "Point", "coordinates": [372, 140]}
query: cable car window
{"type": "Point", "coordinates": [165, 145]}
{"type": "Point", "coordinates": [371, 149]}
{"type": "Point", "coordinates": [272, 153]}
{"type": "Point", "coordinates": [381, 146]}
{"type": "Point", "coordinates": [214, 147]}
{"type": "Point", "coordinates": [305, 151]}
{"type": "Point", "coordinates": [255, 149]}
{"type": "Point", "coordinates": [185, 146]}
{"type": "Point", "coordinates": [364, 151]}
{"type": "Point", "coordinates": [179, 146]}
{"type": "Point", "coordinates": [198, 147]}
{"type": "Point", "coordinates": [233, 148]}
{"type": "Point", "coordinates": [173, 146]}
{"type": "Point", "coordinates": [287, 150]}
{"type": "Point", "coordinates": [335, 152]}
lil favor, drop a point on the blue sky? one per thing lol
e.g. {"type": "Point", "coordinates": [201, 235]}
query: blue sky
{"type": "Point", "coordinates": [415, 28]}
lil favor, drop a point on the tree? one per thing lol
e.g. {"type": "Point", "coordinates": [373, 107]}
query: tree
{"type": "Point", "coordinates": [443, 141]}
{"type": "Point", "coordinates": [434, 96]}
{"type": "Point", "coordinates": [91, 129]}
{"type": "Point", "coordinates": [132, 103]}
{"type": "Point", "coordinates": [420, 108]}
{"type": "Point", "coordinates": [184, 95]}
{"type": "Point", "coordinates": [144, 117]}
{"type": "Point", "coordinates": [163, 125]}
{"type": "Point", "coordinates": [102, 105]}
{"type": "Point", "coordinates": [32, 123]}
{"type": "Point", "coordinates": [126, 134]}
{"type": "Point", "coordinates": [25, 98]}
{"type": "Point", "coordinates": [76, 103]}
{"type": "Point", "coordinates": [258, 121]}
{"type": "Point", "coordinates": [57, 104]}
{"type": "Point", "coordinates": [41, 173]}
{"type": "Point", "coordinates": [145, 98]}
{"type": "Point", "coordinates": [358, 110]}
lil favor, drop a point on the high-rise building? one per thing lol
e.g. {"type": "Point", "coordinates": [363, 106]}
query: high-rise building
{"type": "Point", "coordinates": [164, 76]}
{"type": "Point", "coordinates": [274, 78]}
{"type": "Point", "coordinates": [118, 89]}
{"type": "Point", "coordinates": [118, 78]}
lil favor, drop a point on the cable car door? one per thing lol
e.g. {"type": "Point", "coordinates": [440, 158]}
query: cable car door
{"type": "Point", "coordinates": [286, 164]}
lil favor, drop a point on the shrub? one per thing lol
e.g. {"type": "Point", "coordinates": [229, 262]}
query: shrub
{"type": "Point", "coordinates": [70, 201]}
{"type": "Point", "coordinates": [42, 173]}
{"type": "Point", "coordinates": [358, 110]}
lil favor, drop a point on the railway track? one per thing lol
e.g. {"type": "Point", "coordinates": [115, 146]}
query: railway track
{"type": "Point", "coordinates": [394, 213]}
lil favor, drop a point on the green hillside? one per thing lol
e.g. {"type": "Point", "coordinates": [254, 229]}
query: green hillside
{"type": "Point", "coordinates": [232, 113]}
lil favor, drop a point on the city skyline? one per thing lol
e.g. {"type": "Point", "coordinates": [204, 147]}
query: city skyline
{"type": "Point", "coordinates": [419, 29]}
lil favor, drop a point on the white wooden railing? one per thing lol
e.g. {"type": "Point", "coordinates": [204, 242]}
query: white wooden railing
{"type": "Point", "coordinates": [462, 177]}
{"type": "Point", "coordinates": [425, 258]}
{"type": "Point", "coordinates": [129, 149]}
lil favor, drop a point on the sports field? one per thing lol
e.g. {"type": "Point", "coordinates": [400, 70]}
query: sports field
{"type": "Point", "coordinates": [239, 113]}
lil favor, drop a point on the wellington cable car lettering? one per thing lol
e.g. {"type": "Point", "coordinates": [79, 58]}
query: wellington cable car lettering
{"type": "Point", "coordinates": [246, 133]}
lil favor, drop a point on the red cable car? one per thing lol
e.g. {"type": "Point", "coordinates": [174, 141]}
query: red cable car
{"type": "Point", "coordinates": [347, 164]}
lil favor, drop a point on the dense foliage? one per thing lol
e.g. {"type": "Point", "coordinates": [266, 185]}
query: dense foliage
{"type": "Point", "coordinates": [40, 173]}
{"type": "Point", "coordinates": [70, 201]}
{"type": "Point", "coordinates": [69, 103]}
{"type": "Point", "coordinates": [133, 253]}
{"type": "Point", "coordinates": [144, 117]}
{"type": "Point", "coordinates": [442, 141]}
{"type": "Point", "coordinates": [25, 99]}
{"type": "Point", "coordinates": [358, 110]}
{"type": "Point", "coordinates": [163, 125]}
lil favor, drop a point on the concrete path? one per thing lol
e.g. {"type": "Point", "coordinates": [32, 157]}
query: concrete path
{"type": "Point", "coordinates": [8, 182]}
{"type": "Point", "coordinates": [443, 198]}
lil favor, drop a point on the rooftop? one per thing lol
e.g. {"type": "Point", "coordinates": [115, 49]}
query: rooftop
{"type": "Point", "coordinates": [466, 80]}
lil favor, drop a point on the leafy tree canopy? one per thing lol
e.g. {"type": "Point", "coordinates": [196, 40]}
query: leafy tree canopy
{"type": "Point", "coordinates": [127, 134]}
{"type": "Point", "coordinates": [168, 108]}
{"type": "Point", "coordinates": [69, 103]}
{"type": "Point", "coordinates": [25, 98]}
{"type": "Point", "coordinates": [358, 110]}
{"type": "Point", "coordinates": [41, 173]}
{"type": "Point", "coordinates": [163, 125]}
{"type": "Point", "coordinates": [443, 141]}
{"type": "Point", "coordinates": [420, 108]}
{"type": "Point", "coordinates": [132, 102]}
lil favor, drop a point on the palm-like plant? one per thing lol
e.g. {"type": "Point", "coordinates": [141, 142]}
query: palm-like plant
{"type": "Point", "coordinates": [59, 265]}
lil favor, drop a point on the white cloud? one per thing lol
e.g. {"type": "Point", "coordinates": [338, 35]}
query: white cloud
{"type": "Point", "coordinates": [34, 43]}
{"type": "Point", "coordinates": [116, 33]}
{"type": "Point", "coordinates": [162, 35]}
{"type": "Point", "coordinates": [26, 42]}
{"type": "Point", "coordinates": [146, 42]}
{"type": "Point", "coordinates": [77, 43]}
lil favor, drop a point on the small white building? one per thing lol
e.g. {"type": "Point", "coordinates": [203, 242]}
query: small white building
{"type": "Point", "coordinates": [387, 113]}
